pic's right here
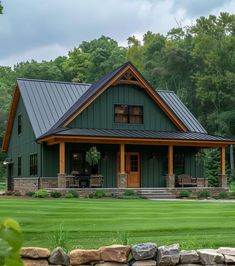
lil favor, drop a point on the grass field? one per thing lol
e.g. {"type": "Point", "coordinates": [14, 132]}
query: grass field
{"type": "Point", "coordinates": [90, 223]}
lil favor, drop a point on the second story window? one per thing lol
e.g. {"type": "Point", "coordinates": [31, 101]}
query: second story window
{"type": "Point", "coordinates": [128, 114]}
{"type": "Point", "coordinates": [19, 124]}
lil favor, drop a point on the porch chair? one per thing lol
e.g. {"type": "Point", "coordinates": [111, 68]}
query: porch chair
{"type": "Point", "coordinates": [185, 180]}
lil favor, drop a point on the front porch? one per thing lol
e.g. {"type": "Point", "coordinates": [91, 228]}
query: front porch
{"type": "Point", "coordinates": [134, 166]}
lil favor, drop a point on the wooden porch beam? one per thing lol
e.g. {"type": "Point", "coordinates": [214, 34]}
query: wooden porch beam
{"type": "Point", "coordinates": [222, 161]}
{"type": "Point", "coordinates": [122, 158]}
{"type": "Point", "coordinates": [170, 161]}
{"type": "Point", "coordinates": [84, 139]}
{"type": "Point", "coordinates": [62, 158]}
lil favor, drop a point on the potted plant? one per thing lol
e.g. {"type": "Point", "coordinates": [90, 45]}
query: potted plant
{"type": "Point", "coordinates": [93, 157]}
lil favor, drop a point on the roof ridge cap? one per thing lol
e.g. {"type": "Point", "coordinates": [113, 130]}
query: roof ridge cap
{"type": "Point", "coordinates": [54, 81]}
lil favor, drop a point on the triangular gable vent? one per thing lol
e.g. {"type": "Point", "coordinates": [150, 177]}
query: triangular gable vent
{"type": "Point", "coordinates": [128, 78]}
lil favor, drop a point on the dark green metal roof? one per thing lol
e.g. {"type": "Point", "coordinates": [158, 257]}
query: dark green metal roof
{"type": "Point", "coordinates": [182, 112]}
{"type": "Point", "coordinates": [50, 103]}
{"type": "Point", "coordinates": [47, 101]}
{"type": "Point", "coordinates": [147, 134]}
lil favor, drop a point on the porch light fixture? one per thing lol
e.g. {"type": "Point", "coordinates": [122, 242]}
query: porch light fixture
{"type": "Point", "coordinates": [7, 161]}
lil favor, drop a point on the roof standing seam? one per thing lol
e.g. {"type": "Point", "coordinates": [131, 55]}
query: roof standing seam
{"type": "Point", "coordinates": [173, 101]}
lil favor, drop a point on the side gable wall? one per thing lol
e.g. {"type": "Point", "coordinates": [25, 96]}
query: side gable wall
{"type": "Point", "coordinates": [100, 114]}
{"type": "Point", "coordinates": [24, 144]}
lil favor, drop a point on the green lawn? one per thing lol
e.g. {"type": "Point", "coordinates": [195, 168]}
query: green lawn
{"type": "Point", "coordinates": [91, 223]}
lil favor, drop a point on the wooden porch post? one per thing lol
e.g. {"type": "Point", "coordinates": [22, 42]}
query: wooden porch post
{"type": "Point", "coordinates": [62, 158]}
{"type": "Point", "coordinates": [122, 158]}
{"type": "Point", "coordinates": [170, 177]}
{"type": "Point", "coordinates": [170, 161]}
{"type": "Point", "coordinates": [222, 161]}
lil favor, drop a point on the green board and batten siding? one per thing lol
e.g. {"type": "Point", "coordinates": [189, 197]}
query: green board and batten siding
{"type": "Point", "coordinates": [100, 114]}
{"type": "Point", "coordinates": [24, 144]}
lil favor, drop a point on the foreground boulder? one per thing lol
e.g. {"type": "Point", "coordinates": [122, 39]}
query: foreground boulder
{"type": "Point", "coordinates": [110, 264]}
{"type": "Point", "coordinates": [168, 255]}
{"type": "Point", "coordinates": [144, 251]}
{"type": "Point", "coordinates": [115, 253]}
{"type": "Point", "coordinates": [145, 263]}
{"type": "Point", "coordinates": [210, 257]}
{"type": "Point", "coordinates": [189, 257]}
{"type": "Point", "coordinates": [81, 256]}
{"type": "Point", "coordinates": [33, 262]}
{"type": "Point", "coordinates": [58, 256]}
{"type": "Point", "coordinates": [34, 253]}
{"type": "Point", "coordinates": [226, 251]}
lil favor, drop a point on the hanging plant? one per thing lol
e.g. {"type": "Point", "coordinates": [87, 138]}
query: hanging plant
{"type": "Point", "coordinates": [93, 156]}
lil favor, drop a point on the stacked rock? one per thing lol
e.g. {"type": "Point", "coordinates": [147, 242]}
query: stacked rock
{"type": "Point", "coordinates": [34, 256]}
{"type": "Point", "coordinates": [115, 255]}
{"type": "Point", "coordinates": [144, 254]}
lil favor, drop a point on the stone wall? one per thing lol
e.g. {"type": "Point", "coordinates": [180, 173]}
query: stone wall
{"type": "Point", "coordinates": [195, 190]}
{"type": "Point", "coordinates": [144, 254]}
{"type": "Point", "coordinates": [48, 182]}
{"type": "Point", "coordinates": [26, 184]}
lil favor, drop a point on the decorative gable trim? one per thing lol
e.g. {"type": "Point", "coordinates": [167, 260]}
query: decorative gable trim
{"type": "Point", "coordinates": [11, 118]}
{"type": "Point", "coordinates": [129, 75]}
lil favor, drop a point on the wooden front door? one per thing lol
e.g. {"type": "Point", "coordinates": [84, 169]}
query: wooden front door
{"type": "Point", "coordinates": [133, 169]}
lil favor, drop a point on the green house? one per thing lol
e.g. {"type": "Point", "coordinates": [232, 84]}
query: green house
{"type": "Point", "coordinates": [141, 137]}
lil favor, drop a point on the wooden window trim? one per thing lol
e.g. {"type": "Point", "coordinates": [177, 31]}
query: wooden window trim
{"type": "Point", "coordinates": [128, 114]}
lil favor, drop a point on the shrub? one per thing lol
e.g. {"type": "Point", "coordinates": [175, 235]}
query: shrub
{"type": "Point", "coordinates": [9, 193]}
{"type": "Point", "coordinates": [55, 194]}
{"type": "Point", "coordinates": [222, 195]}
{"type": "Point", "coordinates": [129, 192]}
{"type": "Point", "coordinates": [59, 238]}
{"type": "Point", "coordinates": [29, 193]}
{"type": "Point", "coordinates": [204, 194]}
{"type": "Point", "coordinates": [68, 195]}
{"type": "Point", "coordinates": [184, 194]}
{"type": "Point", "coordinates": [41, 193]}
{"type": "Point", "coordinates": [17, 193]}
{"type": "Point", "coordinates": [11, 240]}
{"type": "Point", "coordinates": [75, 193]}
{"type": "Point", "coordinates": [128, 197]}
{"type": "Point", "coordinates": [91, 196]}
{"type": "Point", "coordinates": [99, 194]}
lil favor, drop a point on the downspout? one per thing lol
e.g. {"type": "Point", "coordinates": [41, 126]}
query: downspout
{"type": "Point", "coordinates": [41, 164]}
{"type": "Point", "coordinates": [231, 161]}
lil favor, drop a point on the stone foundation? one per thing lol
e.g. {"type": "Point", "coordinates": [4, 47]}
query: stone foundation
{"type": "Point", "coordinates": [24, 185]}
{"type": "Point", "coordinates": [48, 182]}
{"type": "Point", "coordinates": [122, 180]}
{"type": "Point", "coordinates": [195, 190]}
{"type": "Point", "coordinates": [144, 254]}
{"type": "Point", "coordinates": [223, 182]}
{"type": "Point", "coordinates": [170, 181]}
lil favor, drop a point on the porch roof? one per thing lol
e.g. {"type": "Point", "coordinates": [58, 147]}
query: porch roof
{"type": "Point", "coordinates": [140, 134]}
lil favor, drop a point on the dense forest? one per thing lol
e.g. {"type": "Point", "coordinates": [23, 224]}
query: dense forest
{"type": "Point", "coordinates": [197, 62]}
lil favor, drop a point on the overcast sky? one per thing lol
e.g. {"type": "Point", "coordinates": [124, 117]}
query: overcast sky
{"type": "Point", "coordinates": [45, 29]}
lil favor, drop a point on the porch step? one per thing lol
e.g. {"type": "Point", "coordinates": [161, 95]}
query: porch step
{"type": "Point", "coordinates": [156, 194]}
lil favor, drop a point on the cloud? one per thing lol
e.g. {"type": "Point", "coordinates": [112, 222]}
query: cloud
{"type": "Point", "coordinates": [32, 29]}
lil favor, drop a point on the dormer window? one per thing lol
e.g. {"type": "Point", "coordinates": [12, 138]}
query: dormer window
{"type": "Point", "coordinates": [128, 114]}
{"type": "Point", "coordinates": [19, 124]}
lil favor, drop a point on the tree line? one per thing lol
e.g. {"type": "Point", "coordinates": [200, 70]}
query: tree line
{"type": "Point", "coordinates": [197, 62]}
